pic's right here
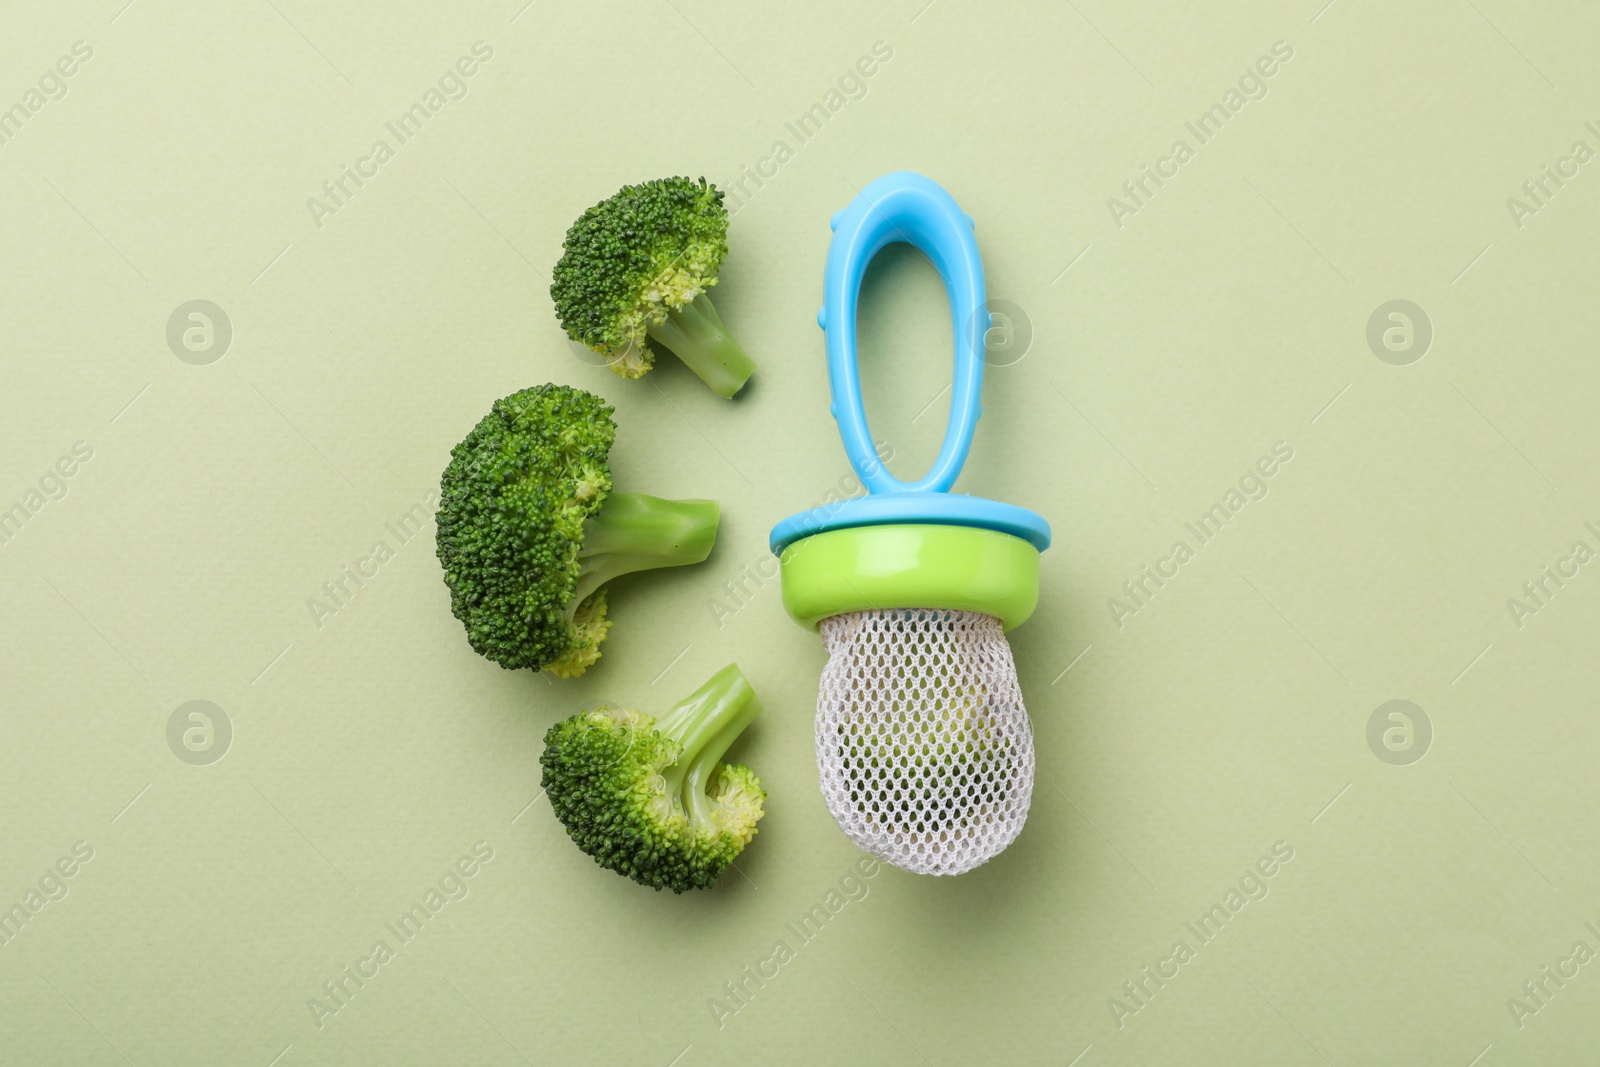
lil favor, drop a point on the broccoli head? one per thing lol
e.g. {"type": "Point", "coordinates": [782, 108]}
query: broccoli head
{"type": "Point", "coordinates": [529, 531]}
{"type": "Point", "coordinates": [646, 797]}
{"type": "Point", "coordinates": [637, 266]}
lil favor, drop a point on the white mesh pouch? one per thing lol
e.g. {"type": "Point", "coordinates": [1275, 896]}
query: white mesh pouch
{"type": "Point", "coordinates": [923, 744]}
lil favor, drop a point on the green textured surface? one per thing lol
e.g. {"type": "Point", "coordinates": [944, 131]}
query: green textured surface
{"type": "Point", "coordinates": [910, 565]}
{"type": "Point", "coordinates": [371, 751]}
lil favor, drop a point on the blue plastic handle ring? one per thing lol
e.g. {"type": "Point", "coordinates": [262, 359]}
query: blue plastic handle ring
{"type": "Point", "coordinates": [907, 207]}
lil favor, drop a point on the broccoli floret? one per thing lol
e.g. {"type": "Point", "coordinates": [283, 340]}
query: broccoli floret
{"type": "Point", "coordinates": [638, 265]}
{"type": "Point", "coordinates": [646, 797]}
{"type": "Point", "coordinates": [529, 531]}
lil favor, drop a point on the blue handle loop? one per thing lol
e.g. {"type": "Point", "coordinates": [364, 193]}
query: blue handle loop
{"type": "Point", "coordinates": [907, 207]}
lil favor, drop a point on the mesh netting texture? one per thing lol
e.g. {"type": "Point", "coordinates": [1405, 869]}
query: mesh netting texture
{"type": "Point", "coordinates": [923, 745]}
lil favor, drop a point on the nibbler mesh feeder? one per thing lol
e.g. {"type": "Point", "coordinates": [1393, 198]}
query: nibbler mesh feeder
{"type": "Point", "coordinates": [924, 748]}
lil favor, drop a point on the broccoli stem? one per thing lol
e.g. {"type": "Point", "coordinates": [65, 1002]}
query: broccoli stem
{"type": "Point", "coordinates": [636, 532]}
{"type": "Point", "coordinates": [695, 334]}
{"type": "Point", "coordinates": [705, 723]}
{"type": "Point", "coordinates": [698, 780]}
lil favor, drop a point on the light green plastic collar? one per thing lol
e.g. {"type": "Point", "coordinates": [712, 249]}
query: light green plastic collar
{"type": "Point", "coordinates": [962, 568]}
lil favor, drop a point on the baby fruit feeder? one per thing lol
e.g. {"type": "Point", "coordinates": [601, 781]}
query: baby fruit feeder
{"type": "Point", "coordinates": [923, 744]}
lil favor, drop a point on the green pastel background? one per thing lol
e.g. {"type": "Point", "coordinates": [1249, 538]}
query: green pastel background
{"type": "Point", "coordinates": [1155, 354]}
